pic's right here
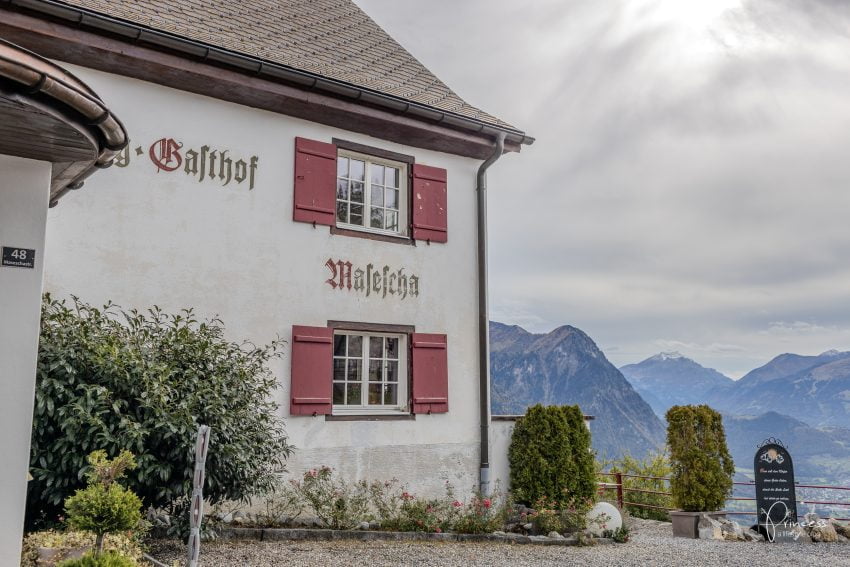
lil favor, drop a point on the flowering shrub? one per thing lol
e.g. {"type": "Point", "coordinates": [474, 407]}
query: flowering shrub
{"type": "Point", "coordinates": [283, 505]}
{"type": "Point", "coordinates": [482, 515]}
{"type": "Point", "coordinates": [337, 504]}
{"type": "Point", "coordinates": [398, 510]}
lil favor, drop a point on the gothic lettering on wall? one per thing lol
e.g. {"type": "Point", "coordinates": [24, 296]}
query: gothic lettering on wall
{"type": "Point", "coordinates": [371, 280]}
{"type": "Point", "coordinates": [204, 163]}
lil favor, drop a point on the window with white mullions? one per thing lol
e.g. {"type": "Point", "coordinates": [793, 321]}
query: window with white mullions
{"type": "Point", "coordinates": [369, 373]}
{"type": "Point", "coordinates": [371, 193]}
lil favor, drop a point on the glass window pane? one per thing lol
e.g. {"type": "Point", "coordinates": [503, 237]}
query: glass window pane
{"type": "Point", "coordinates": [339, 369]}
{"type": "Point", "coordinates": [392, 371]}
{"type": "Point", "coordinates": [377, 218]}
{"type": "Point", "coordinates": [391, 395]}
{"type": "Point", "coordinates": [341, 189]}
{"type": "Point", "coordinates": [375, 391]}
{"type": "Point", "coordinates": [375, 370]}
{"type": "Point", "coordinates": [392, 347]}
{"type": "Point", "coordinates": [339, 394]}
{"type": "Point", "coordinates": [342, 167]}
{"type": "Point", "coordinates": [376, 347]}
{"type": "Point", "coordinates": [353, 371]}
{"type": "Point", "coordinates": [392, 199]}
{"type": "Point", "coordinates": [358, 170]}
{"type": "Point", "coordinates": [339, 345]}
{"type": "Point", "coordinates": [356, 215]}
{"type": "Point", "coordinates": [377, 196]}
{"type": "Point", "coordinates": [342, 211]}
{"type": "Point", "coordinates": [356, 192]}
{"type": "Point", "coordinates": [355, 346]}
{"type": "Point", "coordinates": [392, 176]}
{"type": "Point", "coordinates": [377, 175]}
{"type": "Point", "coordinates": [391, 219]}
{"type": "Point", "coordinates": [353, 398]}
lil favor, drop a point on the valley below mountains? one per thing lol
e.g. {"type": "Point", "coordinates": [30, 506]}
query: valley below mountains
{"type": "Point", "coordinates": [802, 400]}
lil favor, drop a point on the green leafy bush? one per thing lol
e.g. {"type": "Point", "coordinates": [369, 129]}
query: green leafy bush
{"type": "Point", "coordinates": [655, 466]}
{"type": "Point", "coordinates": [107, 559]}
{"type": "Point", "coordinates": [113, 380]}
{"type": "Point", "coordinates": [105, 506]}
{"type": "Point", "coordinates": [550, 456]}
{"type": "Point", "coordinates": [126, 544]}
{"type": "Point", "coordinates": [702, 465]}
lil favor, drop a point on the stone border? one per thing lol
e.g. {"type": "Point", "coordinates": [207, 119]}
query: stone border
{"type": "Point", "coordinates": [306, 534]}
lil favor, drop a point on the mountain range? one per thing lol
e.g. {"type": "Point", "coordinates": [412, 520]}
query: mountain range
{"type": "Point", "coordinates": [566, 367]}
{"type": "Point", "coordinates": [802, 400]}
{"type": "Point", "coordinates": [821, 455]}
{"type": "Point", "coordinates": [814, 389]}
{"type": "Point", "coordinates": [669, 379]}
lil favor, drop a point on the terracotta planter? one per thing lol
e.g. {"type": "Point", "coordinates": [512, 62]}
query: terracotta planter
{"type": "Point", "coordinates": [685, 523]}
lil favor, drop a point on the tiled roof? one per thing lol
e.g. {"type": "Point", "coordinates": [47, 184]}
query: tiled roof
{"type": "Point", "coordinates": [331, 38]}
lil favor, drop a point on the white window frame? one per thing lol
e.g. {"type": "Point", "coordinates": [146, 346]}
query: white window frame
{"type": "Point", "coordinates": [403, 194]}
{"type": "Point", "coordinates": [402, 407]}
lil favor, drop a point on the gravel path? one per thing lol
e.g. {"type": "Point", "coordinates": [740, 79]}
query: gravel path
{"type": "Point", "coordinates": [652, 544]}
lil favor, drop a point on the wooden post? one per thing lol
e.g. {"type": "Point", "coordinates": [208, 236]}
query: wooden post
{"type": "Point", "coordinates": [619, 477]}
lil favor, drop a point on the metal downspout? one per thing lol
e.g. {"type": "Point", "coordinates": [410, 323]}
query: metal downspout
{"type": "Point", "coordinates": [483, 316]}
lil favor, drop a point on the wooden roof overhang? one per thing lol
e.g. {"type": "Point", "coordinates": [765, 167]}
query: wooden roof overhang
{"type": "Point", "coordinates": [48, 114]}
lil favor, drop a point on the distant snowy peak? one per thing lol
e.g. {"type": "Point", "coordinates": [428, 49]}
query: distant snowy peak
{"type": "Point", "coordinates": [668, 356]}
{"type": "Point", "coordinates": [832, 352]}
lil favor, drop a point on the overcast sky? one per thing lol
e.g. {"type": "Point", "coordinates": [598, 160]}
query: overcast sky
{"type": "Point", "coordinates": [689, 189]}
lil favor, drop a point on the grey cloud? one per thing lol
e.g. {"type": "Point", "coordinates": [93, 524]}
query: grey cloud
{"type": "Point", "coordinates": [685, 187]}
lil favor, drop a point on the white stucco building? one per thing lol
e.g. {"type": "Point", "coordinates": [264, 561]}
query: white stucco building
{"type": "Point", "coordinates": [294, 171]}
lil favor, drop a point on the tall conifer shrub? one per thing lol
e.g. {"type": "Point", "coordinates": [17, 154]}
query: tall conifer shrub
{"type": "Point", "coordinates": [550, 456]}
{"type": "Point", "coordinates": [702, 465]}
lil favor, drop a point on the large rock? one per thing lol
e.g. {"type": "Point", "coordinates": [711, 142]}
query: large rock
{"type": "Point", "coordinates": [824, 533]}
{"type": "Point", "coordinates": [732, 531]}
{"type": "Point", "coordinates": [709, 528]}
{"type": "Point", "coordinates": [603, 516]}
{"type": "Point", "coordinates": [840, 528]}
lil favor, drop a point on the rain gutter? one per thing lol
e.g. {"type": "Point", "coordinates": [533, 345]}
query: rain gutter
{"type": "Point", "coordinates": [33, 75]}
{"type": "Point", "coordinates": [484, 317]}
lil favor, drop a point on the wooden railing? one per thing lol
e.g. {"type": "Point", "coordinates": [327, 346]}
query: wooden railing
{"type": "Point", "coordinates": [622, 490]}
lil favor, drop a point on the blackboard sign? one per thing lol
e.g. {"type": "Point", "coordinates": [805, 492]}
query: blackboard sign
{"type": "Point", "coordinates": [776, 498]}
{"type": "Point", "coordinates": [18, 257]}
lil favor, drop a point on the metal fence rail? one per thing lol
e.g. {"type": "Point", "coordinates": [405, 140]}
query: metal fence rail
{"type": "Point", "coordinates": [622, 489]}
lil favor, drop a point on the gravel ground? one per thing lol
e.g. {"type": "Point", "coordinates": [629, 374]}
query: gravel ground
{"type": "Point", "coordinates": [652, 544]}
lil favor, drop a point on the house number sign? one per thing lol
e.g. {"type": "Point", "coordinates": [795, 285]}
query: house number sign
{"type": "Point", "coordinates": [18, 257]}
{"type": "Point", "coordinates": [372, 280]}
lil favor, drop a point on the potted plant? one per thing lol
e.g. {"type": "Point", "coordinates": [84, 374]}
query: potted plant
{"type": "Point", "coordinates": [702, 466]}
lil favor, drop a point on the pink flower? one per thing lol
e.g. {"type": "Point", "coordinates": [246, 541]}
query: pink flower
{"type": "Point", "coordinates": [438, 530]}
{"type": "Point", "coordinates": [487, 503]}
{"type": "Point", "coordinates": [457, 504]}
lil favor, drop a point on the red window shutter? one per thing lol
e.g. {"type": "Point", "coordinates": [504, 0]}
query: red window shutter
{"type": "Point", "coordinates": [315, 182]}
{"type": "Point", "coordinates": [312, 370]}
{"type": "Point", "coordinates": [430, 374]}
{"type": "Point", "coordinates": [430, 220]}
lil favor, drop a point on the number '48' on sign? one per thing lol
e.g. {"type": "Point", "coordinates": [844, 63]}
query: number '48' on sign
{"type": "Point", "coordinates": [18, 257]}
